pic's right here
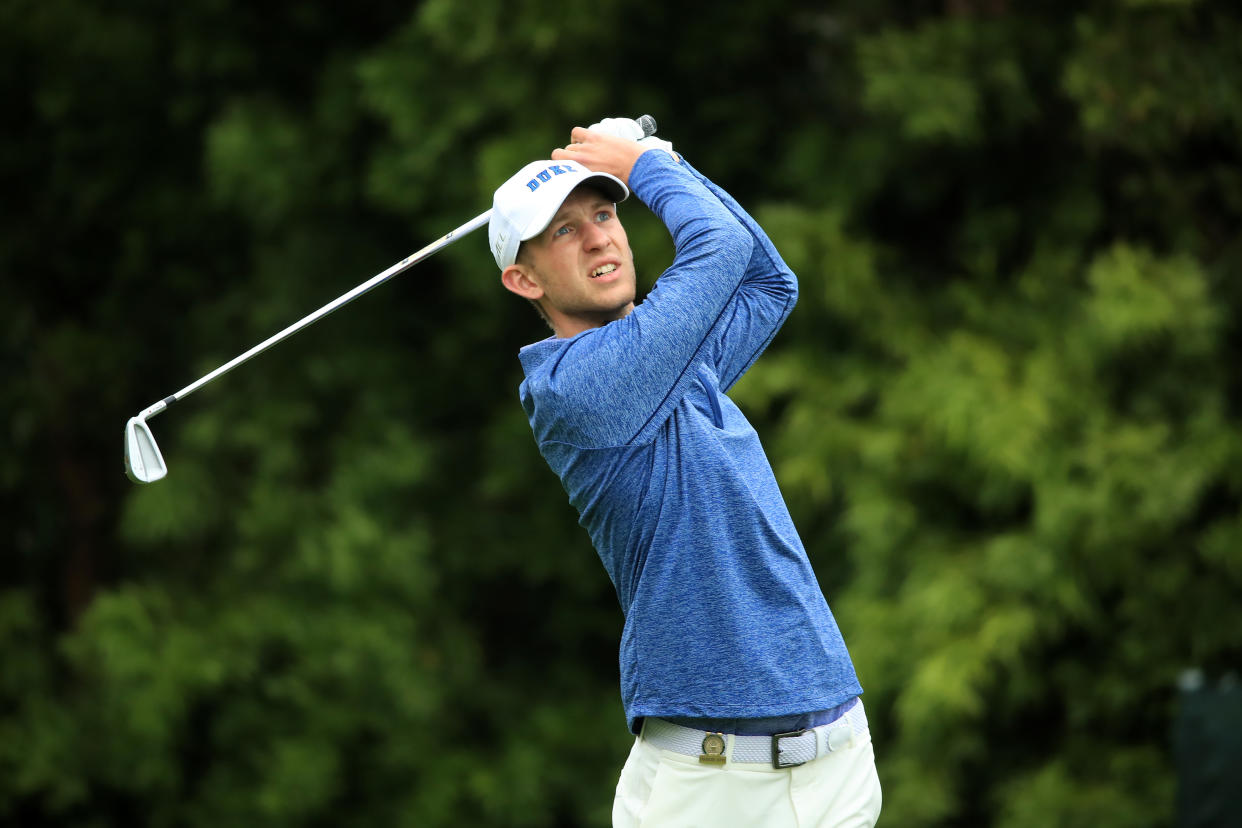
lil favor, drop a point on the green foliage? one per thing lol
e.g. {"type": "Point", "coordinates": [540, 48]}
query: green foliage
{"type": "Point", "coordinates": [949, 80]}
{"type": "Point", "coordinates": [1004, 413]}
{"type": "Point", "coordinates": [1155, 78]}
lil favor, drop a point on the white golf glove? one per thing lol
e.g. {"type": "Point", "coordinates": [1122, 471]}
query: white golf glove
{"type": "Point", "coordinates": [619, 128]}
{"type": "Point", "coordinates": [629, 128]}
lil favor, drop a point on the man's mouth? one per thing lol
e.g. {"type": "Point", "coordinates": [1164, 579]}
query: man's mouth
{"type": "Point", "coordinates": [603, 270]}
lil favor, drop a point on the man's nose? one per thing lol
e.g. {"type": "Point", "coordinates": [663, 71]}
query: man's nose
{"type": "Point", "coordinates": [594, 237]}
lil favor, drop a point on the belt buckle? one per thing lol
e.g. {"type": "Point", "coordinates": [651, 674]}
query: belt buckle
{"type": "Point", "coordinates": [713, 749]}
{"type": "Point", "coordinates": [776, 748]}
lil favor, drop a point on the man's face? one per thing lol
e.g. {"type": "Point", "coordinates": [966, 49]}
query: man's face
{"type": "Point", "coordinates": [583, 264]}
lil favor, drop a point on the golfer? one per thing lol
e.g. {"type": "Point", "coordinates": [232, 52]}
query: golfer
{"type": "Point", "coordinates": [734, 676]}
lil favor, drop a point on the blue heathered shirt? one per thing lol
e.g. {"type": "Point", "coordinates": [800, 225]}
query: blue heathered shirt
{"type": "Point", "coordinates": [724, 617]}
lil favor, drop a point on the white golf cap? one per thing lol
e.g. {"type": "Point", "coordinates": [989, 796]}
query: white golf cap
{"type": "Point", "coordinates": [524, 205]}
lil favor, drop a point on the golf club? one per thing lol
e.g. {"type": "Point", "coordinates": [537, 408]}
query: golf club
{"type": "Point", "coordinates": [143, 461]}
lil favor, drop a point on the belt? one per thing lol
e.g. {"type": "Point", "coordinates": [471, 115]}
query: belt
{"type": "Point", "coordinates": [782, 750]}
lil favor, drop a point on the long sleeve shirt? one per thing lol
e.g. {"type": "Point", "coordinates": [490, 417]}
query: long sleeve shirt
{"type": "Point", "coordinates": [724, 617]}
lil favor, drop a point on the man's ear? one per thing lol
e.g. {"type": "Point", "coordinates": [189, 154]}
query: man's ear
{"type": "Point", "coordinates": [517, 278]}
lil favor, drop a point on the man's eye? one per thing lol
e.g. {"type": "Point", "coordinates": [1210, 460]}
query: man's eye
{"type": "Point", "coordinates": [560, 231]}
{"type": "Point", "coordinates": [603, 215]}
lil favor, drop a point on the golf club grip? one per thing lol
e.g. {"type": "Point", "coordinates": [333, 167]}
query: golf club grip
{"type": "Point", "coordinates": [647, 124]}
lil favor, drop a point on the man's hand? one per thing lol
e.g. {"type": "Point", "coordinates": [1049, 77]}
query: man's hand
{"type": "Point", "coordinates": [600, 152]}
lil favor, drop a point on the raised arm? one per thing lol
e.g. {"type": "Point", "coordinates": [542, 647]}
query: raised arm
{"type": "Point", "coordinates": [764, 300]}
{"type": "Point", "coordinates": [625, 377]}
{"type": "Point", "coordinates": [768, 290]}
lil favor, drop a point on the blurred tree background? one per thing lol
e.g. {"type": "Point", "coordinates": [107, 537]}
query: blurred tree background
{"type": "Point", "coordinates": [1005, 413]}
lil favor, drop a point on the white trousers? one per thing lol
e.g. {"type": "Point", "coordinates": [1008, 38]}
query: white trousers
{"type": "Point", "coordinates": [661, 788]}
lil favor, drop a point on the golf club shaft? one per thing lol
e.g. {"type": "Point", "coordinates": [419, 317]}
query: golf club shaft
{"type": "Point", "coordinates": [374, 282]}
{"type": "Point", "coordinates": [645, 122]}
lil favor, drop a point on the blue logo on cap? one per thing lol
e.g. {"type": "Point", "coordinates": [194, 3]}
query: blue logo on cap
{"type": "Point", "coordinates": [546, 175]}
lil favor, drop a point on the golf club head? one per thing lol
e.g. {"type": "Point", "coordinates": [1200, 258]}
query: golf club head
{"type": "Point", "coordinates": [143, 461]}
